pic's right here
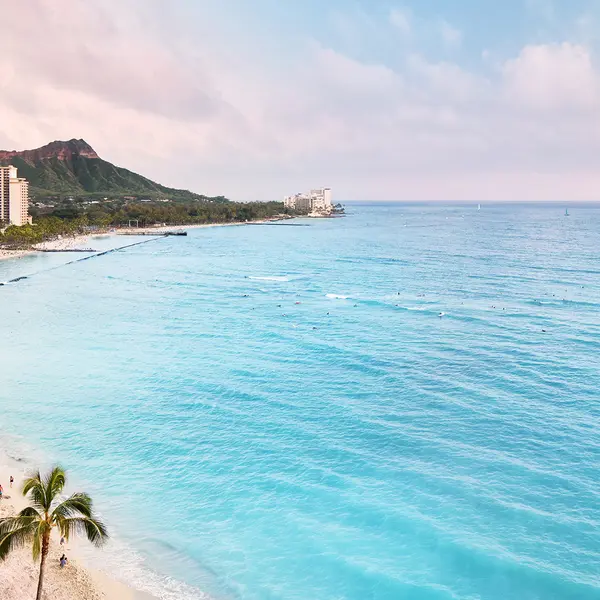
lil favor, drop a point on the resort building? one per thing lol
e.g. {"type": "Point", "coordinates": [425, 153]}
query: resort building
{"type": "Point", "coordinates": [14, 198]}
{"type": "Point", "coordinates": [315, 202]}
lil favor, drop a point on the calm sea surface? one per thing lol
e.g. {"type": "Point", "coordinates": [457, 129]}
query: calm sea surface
{"type": "Point", "coordinates": [280, 412]}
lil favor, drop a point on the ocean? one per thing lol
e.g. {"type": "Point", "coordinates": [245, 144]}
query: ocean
{"type": "Point", "coordinates": [400, 404]}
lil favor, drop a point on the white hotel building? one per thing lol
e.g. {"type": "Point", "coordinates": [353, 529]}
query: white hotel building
{"type": "Point", "coordinates": [315, 202]}
{"type": "Point", "coordinates": [14, 198]}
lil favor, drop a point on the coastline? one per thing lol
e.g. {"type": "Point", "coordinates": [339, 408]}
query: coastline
{"type": "Point", "coordinates": [79, 580]}
{"type": "Point", "coordinates": [7, 254]}
{"type": "Point", "coordinates": [70, 242]}
{"type": "Point", "coordinates": [19, 574]}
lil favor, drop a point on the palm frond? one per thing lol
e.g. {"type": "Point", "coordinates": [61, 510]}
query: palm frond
{"type": "Point", "coordinates": [16, 533]}
{"type": "Point", "coordinates": [21, 520]}
{"type": "Point", "coordinates": [30, 511]}
{"type": "Point", "coordinates": [55, 483]}
{"type": "Point", "coordinates": [34, 488]}
{"type": "Point", "coordinates": [93, 529]}
{"type": "Point", "coordinates": [77, 504]}
{"type": "Point", "coordinates": [34, 524]}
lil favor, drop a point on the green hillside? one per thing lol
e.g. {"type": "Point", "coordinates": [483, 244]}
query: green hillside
{"type": "Point", "coordinates": [73, 168]}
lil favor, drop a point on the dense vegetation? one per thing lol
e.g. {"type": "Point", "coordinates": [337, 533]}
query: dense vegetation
{"type": "Point", "coordinates": [76, 217]}
{"type": "Point", "coordinates": [74, 191]}
{"type": "Point", "coordinates": [92, 177]}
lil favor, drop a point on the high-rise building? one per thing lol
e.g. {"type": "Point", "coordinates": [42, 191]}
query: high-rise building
{"type": "Point", "coordinates": [14, 197]}
{"type": "Point", "coordinates": [317, 201]}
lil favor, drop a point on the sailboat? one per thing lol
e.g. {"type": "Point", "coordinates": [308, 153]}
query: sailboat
{"type": "Point", "coordinates": [479, 207]}
{"type": "Point", "coordinates": [566, 212]}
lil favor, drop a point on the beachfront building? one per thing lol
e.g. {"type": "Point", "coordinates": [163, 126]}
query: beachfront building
{"type": "Point", "coordinates": [317, 202]}
{"type": "Point", "coordinates": [14, 197]}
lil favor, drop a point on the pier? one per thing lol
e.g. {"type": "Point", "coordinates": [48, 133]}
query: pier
{"type": "Point", "coordinates": [154, 233]}
{"type": "Point", "coordinates": [66, 250]}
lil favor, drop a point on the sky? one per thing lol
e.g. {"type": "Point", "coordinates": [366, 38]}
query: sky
{"type": "Point", "coordinates": [256, 99]}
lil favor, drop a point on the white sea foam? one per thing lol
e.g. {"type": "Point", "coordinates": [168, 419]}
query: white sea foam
{"type": "Point", "coordinates": [337, 297]}
{"type": "Point", "coordinates": [125, 564]}
{"type": "Point", "coordinates": [119, 560]}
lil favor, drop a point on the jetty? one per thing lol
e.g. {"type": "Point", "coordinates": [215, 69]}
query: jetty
{"type": "Point", "coordinates": [154, 233]}
{"type": "Point", "coordinates": [66, 250]}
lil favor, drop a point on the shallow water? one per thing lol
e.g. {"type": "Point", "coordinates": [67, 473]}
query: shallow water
{"type": "Point", "coordinates": [276, 412]}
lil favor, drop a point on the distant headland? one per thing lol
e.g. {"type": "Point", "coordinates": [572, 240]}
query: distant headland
{"type": "Point", "coordinates": [73, 168]}
{"type": "Point", "coordinates": [71, 190]}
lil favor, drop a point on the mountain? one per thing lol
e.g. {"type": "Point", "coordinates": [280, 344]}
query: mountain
{"type": "Point", "coordinates": [74, 168]}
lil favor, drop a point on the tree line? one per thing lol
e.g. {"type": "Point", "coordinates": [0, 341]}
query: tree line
{"type": "Point", "coordinates": [65, 221]}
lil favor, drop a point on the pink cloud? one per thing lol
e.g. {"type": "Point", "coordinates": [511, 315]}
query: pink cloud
{"type": "Point", "coordinates": [196, 111]}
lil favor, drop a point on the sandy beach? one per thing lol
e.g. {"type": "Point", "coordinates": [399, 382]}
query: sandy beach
{"type": "Point", "coordinates": [63, 243]}
{"type": "Point", "coordinates": [5, 254]}
{"type": "Point", "coordinates": [81, 241]}
{"type": "Point", "coordinates": [19, 574]}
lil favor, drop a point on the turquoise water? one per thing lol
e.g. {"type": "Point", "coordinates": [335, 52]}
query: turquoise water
{"type": "Point", "coordinates": [279, 412]}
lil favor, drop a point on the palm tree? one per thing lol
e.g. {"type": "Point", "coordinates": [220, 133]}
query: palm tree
{"type": "Point", "coordinates": [35, 523]}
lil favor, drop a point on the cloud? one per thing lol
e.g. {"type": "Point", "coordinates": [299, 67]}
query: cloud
{"type": "Point", "coordinates": [401, 20]}
{"type": "Point", "coordinates": [420, 29]}
{"type": "Point", "coordinates": [451, 36]}
{"type": "Point", "coordinates": [553, 77]}
{"type": "Point", "coordinates": [200, 110]}
{"type": "Point", "coordinates": [81, 46]}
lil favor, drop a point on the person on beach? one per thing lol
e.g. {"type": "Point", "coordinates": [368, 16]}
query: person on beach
{"type": "Point", "coordinates": [1, 490]}
{"type": "Point", "coordinates": [63, 561]}
{"type": "Point", "coordinates": [12, 479]}
{"type": "Point", "coordinates": [62, 542]}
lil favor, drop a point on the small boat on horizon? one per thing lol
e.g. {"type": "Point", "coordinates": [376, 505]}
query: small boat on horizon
{"type": "Point", "coordinates": [566, 212]}
{"type": "Point", "coordinates": [479, 207]}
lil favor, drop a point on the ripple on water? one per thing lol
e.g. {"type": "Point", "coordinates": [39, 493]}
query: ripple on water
{"type": "Point", "coordinates": [281, 413]}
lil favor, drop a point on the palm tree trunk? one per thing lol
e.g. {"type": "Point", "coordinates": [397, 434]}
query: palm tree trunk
{"type": "Point", "coordinates": [45, 549]}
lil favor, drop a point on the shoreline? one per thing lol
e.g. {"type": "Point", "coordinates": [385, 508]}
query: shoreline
{"type": "Point", "coordinates": [78, 580]}
{"type": "Point", "coordinates": [69, 242]}
{"type": "Point", "coordinates": [8, 254]}
{"type": "Point", "coordinates": [19, 574]}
